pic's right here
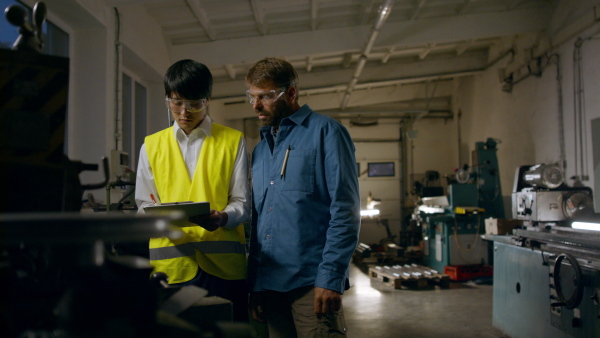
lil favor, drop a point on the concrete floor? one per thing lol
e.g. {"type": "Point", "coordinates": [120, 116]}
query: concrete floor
{"type": "Point", "coordinates": [376, 310]}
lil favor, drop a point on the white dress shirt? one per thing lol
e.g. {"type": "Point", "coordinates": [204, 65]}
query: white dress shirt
{"type": "Point", "coordinates": [238, 207]}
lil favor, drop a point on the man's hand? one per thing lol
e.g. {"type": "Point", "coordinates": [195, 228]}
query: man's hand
{"type": "Point", "coordinates": [326, 302]}
{"type": "Point", "coordinates": [212, 221]}
{"type": "Point", "coordinates": [254, 304]}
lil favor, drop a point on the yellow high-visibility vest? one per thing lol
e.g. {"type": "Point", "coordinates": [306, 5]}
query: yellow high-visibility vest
{"type": "Point", "coordinates": [221, 253]}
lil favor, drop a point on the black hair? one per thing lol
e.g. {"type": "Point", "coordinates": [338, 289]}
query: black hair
{"type": "Point", "coordinates": [189, 79]}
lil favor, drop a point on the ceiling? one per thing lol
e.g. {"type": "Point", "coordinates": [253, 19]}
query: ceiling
{"type": "Point", "coordinates": [351, 58]}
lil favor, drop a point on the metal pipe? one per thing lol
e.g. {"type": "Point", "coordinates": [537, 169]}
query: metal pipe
{"type": "Point", "coordinates": [384, 12]}
{"type": "Point", "coordinates": [561, 129]}
{"type": "Point", "coordinates": [117, 75]}
{"type": "Point", "coordinates": [403, 174]}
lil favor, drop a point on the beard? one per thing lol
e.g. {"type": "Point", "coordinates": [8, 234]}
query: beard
{"type": "Point", "coordinates": [279, 111]}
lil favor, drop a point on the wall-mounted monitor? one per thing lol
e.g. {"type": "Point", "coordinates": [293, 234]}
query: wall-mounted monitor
{"type": "Point", "coordinates": [381, 169]}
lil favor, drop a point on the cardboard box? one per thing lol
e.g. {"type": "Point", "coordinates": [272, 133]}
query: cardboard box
{"type": "Point", "coordinates": [500, 226]}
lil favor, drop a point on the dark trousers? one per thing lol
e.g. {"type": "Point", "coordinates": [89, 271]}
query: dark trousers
{"type": "Point", "coordinates": [235, 291]}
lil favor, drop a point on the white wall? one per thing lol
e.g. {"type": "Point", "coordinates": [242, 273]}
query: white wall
{"type": "Point", "coordinates": [432, 148]}
{"type": "Point", "coordinates": [379, 143]}
{"type": "Point", "coordinates": [526, 120]}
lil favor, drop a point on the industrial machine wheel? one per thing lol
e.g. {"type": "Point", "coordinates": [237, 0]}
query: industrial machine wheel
{"type": "Point", "coordinates": [577, 277]}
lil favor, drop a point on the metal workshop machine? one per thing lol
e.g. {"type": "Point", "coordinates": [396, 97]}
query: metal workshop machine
{"type": "Point", "coordinates": [452, 225]}
{"type": "Point", "coordinates": [547, 274]}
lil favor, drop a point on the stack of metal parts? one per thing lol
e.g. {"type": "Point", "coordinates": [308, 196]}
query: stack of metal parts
{"type": "Point", "coordinates": [363, 250]}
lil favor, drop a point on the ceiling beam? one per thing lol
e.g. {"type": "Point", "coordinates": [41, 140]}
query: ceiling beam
{"type": "Point", "coordinates": [464, 6]}
{"type": "Point", "coordinates": [365, 10]}
{"type": "Point", "coordinates": [387, 55]}
{"type": "Point", "coordinates": [423, 54]}
{"type": "Point", "coordinates": [439, 30]}
{"type": "Point", "coordinates": [401, 112]}
{"type": "Point", "coordinates": [515, 4]}
{"type": "Point", "coordinates": [314, 11]}
{"type": "Point", "coordinates": [202, 18]}
{"type": "Point", "coordinates": [418, 10]}
{"type": "Point", "coordinates": [347, 60]}
{"type": "Point", "coordinates": [389, 99]}
{"type": "Point", "coordinates": [463, 47]}
{"type": "Point", "coordinates": [230, 70]}
{"type": "Point", "coordinates": [259, 17]}
{"type": "Point", "coordinates": [373, 75]}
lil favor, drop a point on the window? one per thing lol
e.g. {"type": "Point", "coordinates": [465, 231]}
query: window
{"type": "Point", "coordinates": [8, 32]}
{"type": "Point", "coordinates": [56, 41]}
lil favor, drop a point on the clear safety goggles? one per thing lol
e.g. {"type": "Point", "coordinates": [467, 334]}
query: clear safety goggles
{"type": "Point", "coordinates": [266, 98]}
{"type": "Point", "coordinates": [192, 106]}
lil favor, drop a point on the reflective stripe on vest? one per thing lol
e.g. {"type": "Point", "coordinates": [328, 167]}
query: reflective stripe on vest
{"type": "Point", "coordinates": [187, 249]}
{"type": "Point", "coordinates": [214, 253]}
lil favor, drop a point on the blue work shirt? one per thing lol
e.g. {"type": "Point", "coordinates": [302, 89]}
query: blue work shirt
{"type": "Point", "coordinates": [305, 223]}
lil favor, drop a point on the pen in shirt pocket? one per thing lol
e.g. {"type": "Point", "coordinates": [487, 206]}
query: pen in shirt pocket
{"type": "Point", "coordinates": [285, 159]}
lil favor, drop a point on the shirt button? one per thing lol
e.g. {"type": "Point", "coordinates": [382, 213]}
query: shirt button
{"type": "Point", "coordinates": [268, 236]}
{"type": "Point", "coordinates": [270, 209]}
{"type": "Point", "coordinates": [272, 182]}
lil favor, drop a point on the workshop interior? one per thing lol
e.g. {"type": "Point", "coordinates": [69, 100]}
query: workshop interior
{"type": "Point", "coordinates": [476, 126]}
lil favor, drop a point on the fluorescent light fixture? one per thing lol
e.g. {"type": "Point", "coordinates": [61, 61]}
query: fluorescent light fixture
{"type": "Point", "coordinates": [431, 210]}
{"type": "Point", "coordinates": [369, 212]}
{"type": "Point", "coordinates": [585, 226]}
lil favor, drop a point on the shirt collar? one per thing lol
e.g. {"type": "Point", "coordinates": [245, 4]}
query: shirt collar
{"type": "Point", "coordinates": [205, 127]}
{"type": "Point", "coordinates": [297, 118]}
{"type": "Point", "coordinates": [301, 114]}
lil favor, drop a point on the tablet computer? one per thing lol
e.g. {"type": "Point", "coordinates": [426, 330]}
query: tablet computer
{"type": "Point", "coordinates": [187, 208]}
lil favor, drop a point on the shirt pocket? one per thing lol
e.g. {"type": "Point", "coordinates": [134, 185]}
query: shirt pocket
{"type": "Point", "coordinates": [300, 171]}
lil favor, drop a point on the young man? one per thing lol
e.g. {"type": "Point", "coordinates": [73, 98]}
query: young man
{"type": "Point", "coordinates": [306, 209]}
{"type": "Point", "coordinates": [198, 160]}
